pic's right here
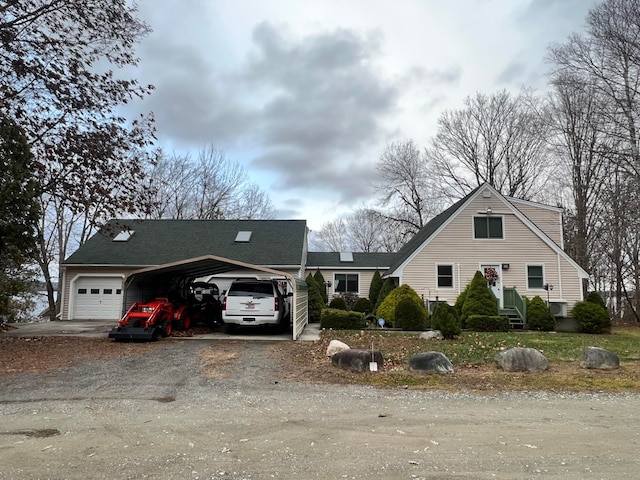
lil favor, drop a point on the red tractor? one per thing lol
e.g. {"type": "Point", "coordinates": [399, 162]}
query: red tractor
{"type": "Point", "coordinates": [147, 321]}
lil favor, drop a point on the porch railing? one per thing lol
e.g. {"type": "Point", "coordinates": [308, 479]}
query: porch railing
{"type": "Point", "coordinates": [513, 300]}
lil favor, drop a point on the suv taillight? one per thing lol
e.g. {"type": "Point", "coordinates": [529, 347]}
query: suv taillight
{"type": "Point", "coordinates": [276, 305]}
{"type": "Point", "coordinates": [224, 303]}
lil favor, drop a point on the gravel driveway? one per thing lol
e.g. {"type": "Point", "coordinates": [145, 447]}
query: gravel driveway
{"type": "Point", "coordinates": [163, 415]}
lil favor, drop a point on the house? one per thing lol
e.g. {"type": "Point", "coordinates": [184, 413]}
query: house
{"type": "Point", "coordinates": [138, 260]}
{"type": "Point", "coordinates": [348, 271]}
{"type": "Point", "coordinates": [519, 243]}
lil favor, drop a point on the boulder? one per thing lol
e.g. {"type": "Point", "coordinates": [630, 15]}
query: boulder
{"type": "Point", "coordinates": [430, 362]}
{"type": "Point", "coordinates": [336, 346]}
{"type": "Point", "coordinates": [357, 360]}
{"type": "Point", "coordinates": [594, 357]}
{"type": "Point", "coordinates": [522, 359]}
{"type": "Point", "coordinates": [432, 335]}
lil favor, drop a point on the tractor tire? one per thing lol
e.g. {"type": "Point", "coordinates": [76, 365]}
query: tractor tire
{"type": "Point", "coordinates": [166, 328]}
{"type": "Point", "coordinates": [184, 323]}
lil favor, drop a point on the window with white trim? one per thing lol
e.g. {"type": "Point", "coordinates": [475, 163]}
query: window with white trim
{"type": "Point", "coordinates": [445, 275]}
{"type": "Point", "coordinates": [346, 282]}
{"type": "Point", "coordinates": [535, 276]}
{"type": "Point", "coordinates": [488, 227]}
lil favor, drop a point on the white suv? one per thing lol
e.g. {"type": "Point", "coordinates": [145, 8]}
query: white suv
{"type": "Point", "coordinates": [252, 302]}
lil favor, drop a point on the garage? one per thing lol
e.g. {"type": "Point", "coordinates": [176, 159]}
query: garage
{"type": "Point", "coordinates": [161, 281]}
{"type": "Point", "coordinates": [97, 297]}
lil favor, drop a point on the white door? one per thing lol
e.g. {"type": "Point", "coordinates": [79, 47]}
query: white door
{"type": "Point", "coordinates": [494, 272]}
{"type": "Point", "coordinates": [97, 298]}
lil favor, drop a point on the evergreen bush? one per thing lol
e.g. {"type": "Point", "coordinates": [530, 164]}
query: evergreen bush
{"type": "Point", "coordinates": [363, 305]}
{"type": "Point", "coordinates": [374, 288]}
{"type": "Point", "coordinates": [595, 297]}
{"type": "Point", "coordinates": [315, 303]}
{"type": "Point", "coordinates": [338, 303]}
{"type": "Point", "coordinates": [538, 315]}
{"type": "Point", "coordinates": [410, 315]}
{"type": "Point", "coordinates": [593, 318]}
{"type": "Point", "coordinates": [387, 309]}
{"type": "Point", "coordinates": [444, 318]}
{"type": "Point", "coordinates": [322, 285]}
{"type": "Point", "coordinates": [479, 299]}
{"type": "Point", "coordinates": [488, 323]}
{"type": "Point", "coordinates": [386, 289]}
{"type": "Point", "coordinates": [342, 320]}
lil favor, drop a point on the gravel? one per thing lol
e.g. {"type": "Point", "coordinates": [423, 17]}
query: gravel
{"type": "Point", "coordinates": [196, 409]}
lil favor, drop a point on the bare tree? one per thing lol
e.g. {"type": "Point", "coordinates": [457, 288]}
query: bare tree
{"type": "Point", "coordinates": [210, 186]}
{"type": "Point", "coordinates": [498, 139]}
{"type": "Point", "coordinates": [332, 237]}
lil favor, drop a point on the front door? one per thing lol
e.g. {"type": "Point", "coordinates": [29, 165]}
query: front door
{"type": "Point", "coordinates": [493, 274]}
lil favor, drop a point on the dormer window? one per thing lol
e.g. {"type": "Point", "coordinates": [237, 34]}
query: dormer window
{"type": "Point", "coordinates": [488, 226]}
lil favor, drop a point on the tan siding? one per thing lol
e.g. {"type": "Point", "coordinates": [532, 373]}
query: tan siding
{"type": "Point", "coordinates": [549, 221]}
{"type": "Point", "coordinates": [364, 280]}
{"type": "Point", "coordinates": [519, 248]}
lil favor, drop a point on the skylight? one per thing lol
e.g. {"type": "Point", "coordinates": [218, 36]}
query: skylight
{"type": "Point", "coordinates": [346, 257]}
{"type": "Point", "coordinates": [243, 237]}
{"type": "Point", "coordinates": [124, 236]}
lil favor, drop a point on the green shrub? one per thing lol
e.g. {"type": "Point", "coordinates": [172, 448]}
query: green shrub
{"type": "Point", "coordinates": [444, 318]}
{"type": "Point", "coordinates": [460, 301]}
{"type": "Point", "coordinates": [350, 299]}
{"type": "Point", "coordinates": [315, 304]}
{"type": "Point", "coordinates": [595, 297]}
{"type": "Point", "coordinates": [410, 315]}
{"type": "Point", "coordinates": [387, 308]}
{"type": "Point", "coordinates": [322, 285]}
{"type": "Point", "coordinates": [538, 315]}
{"type": "Point", "coordinates": [479, 300]}
{"type": "Point", "coordinates": [374, 288]}
{"type": "Point", "coordinates": [363, 305]}
{"type": "Point", "coordinates": [386, 289]}
{"type": "Point", "coordinates": [338, 303]}
{"type": "Point", "coordinates": [341, 319]}
{"type": "Point", "coordinates": [593, 318]}
{"type": "Point", "coordinates": [488, 323]}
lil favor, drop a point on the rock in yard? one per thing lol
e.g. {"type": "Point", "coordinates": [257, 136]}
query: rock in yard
{"type": "Point", "coordinates": [594, 357]}
{"type": "Point", "coordinates": [430, 362]}
{"type": "Point", "coordinates": [522, 359]}
{"type": "Point", "coordinates": [357, 360]}
{"type": "Point", "coordinates": [336, 346]}
{"type": "Point", "coordinates": [432, 335]}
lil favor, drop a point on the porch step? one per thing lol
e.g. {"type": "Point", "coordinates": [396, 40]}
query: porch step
{"type": "Point", "coordinates": [515, 320]}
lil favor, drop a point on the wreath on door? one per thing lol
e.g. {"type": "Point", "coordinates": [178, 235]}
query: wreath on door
{"type": "Point", "coordinates": [491, 275]}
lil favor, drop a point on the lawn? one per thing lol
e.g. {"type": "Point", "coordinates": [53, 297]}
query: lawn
{"type": "Point", "coordinates": [472, 355]}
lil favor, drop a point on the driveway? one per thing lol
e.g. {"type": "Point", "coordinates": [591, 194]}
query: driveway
{"type": "Point", "coordinates": [204, 409]}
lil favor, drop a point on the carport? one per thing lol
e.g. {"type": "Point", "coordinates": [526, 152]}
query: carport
{"type": "Point", "coordinates": [146, 284]}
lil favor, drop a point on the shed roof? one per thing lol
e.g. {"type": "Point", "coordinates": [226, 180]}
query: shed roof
{"type": "Point", "coordinates": [276, 243]}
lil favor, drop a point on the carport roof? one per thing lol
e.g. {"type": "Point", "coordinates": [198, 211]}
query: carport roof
{"type": "Point", "coordinates": [275, 243]}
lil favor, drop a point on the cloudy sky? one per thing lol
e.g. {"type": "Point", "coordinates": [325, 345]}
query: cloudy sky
{"type": "Point", "coordinates": [306, 94]}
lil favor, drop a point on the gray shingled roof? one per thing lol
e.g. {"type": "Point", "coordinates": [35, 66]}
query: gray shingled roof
{"type": "Point", "coordinates": [425, 232]}
{"type": "Point", "coordinates": [156, 242]}
{"type": "Point", "coordinates": [360, 260]}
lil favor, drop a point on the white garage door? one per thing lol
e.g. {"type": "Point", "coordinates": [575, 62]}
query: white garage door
{"type": "Point", "coordinates": [97, 298]}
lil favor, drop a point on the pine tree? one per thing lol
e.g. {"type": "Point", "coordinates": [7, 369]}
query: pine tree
{"type": "Point", "coordinates": [479, 300]}
{"type": "Point", "coordinates": [322, 285]}
{"type": "Point", "coordinates": [386, 289]}
{"type": "Point", "coordinates": [315, 299]}
{"type": "Point", "coordinates": [374, 288]}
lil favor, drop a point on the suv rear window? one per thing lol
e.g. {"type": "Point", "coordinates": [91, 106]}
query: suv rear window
{"type": "Point", "coordinates": [256, 289]}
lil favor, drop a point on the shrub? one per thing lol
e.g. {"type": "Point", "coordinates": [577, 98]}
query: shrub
{"type": "Point", "coordinates": [593, 318]}
{"type": "Point", "coordinates": [538, 315]}
{"type": "Point", "coordinates": [410, 315]}
{"type": "Point", "coordinates": [350, 299]}
{"type": "Point", "coordinates": [363, 305]}
{"type": "Point", "coordinates": [488, 323]}
{"type": "Point", "coordinates": [338, 303]}
{"type": "Point", "coordinates": [460, 301]}
{"type": "Point", "coordinates": [444, 318]}
{"type": "Point", "coordinates": [386, 289]}
{"type": "Point", "coordinates": [595, 297]}
{"type": "Point", "coordinates": [341, 319]}
{"type": "Point", "coordinates": [316, 304]}
{"type": "Point", "coordinates": [374, 288]}
{"type": "Point", "coordinates": [387, 308]}
{"type": "Point", "coordinates": [322, 286]}
{"type": "Point", "coordinates": [479, 299]}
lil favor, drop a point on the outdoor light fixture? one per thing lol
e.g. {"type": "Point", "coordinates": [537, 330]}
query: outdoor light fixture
{"type": "Point", "coordinates": [548, 287]}
{"type": "Point", "coordinates": [505, 266]}
{"type": "Point", "coordinates": [489, 210]}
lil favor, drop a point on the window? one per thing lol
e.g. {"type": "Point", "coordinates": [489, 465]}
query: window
{"type": "Point", "coordinates": [118, 291]}
{"type": "Point", "coordinates": [535, 279]}
{"type": "Point", "coordinates": [346, 282]}
{"type": "Point", "coordinates": [445, 276]}
{"type": "Point", "coordinates": [82, 291]}
{"type": "Point", "coordinates": [95, 291]}
{"type": "Point", "coordinates": [107, 291]}
{"type": "Point", "coordinates": [487, 227]}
